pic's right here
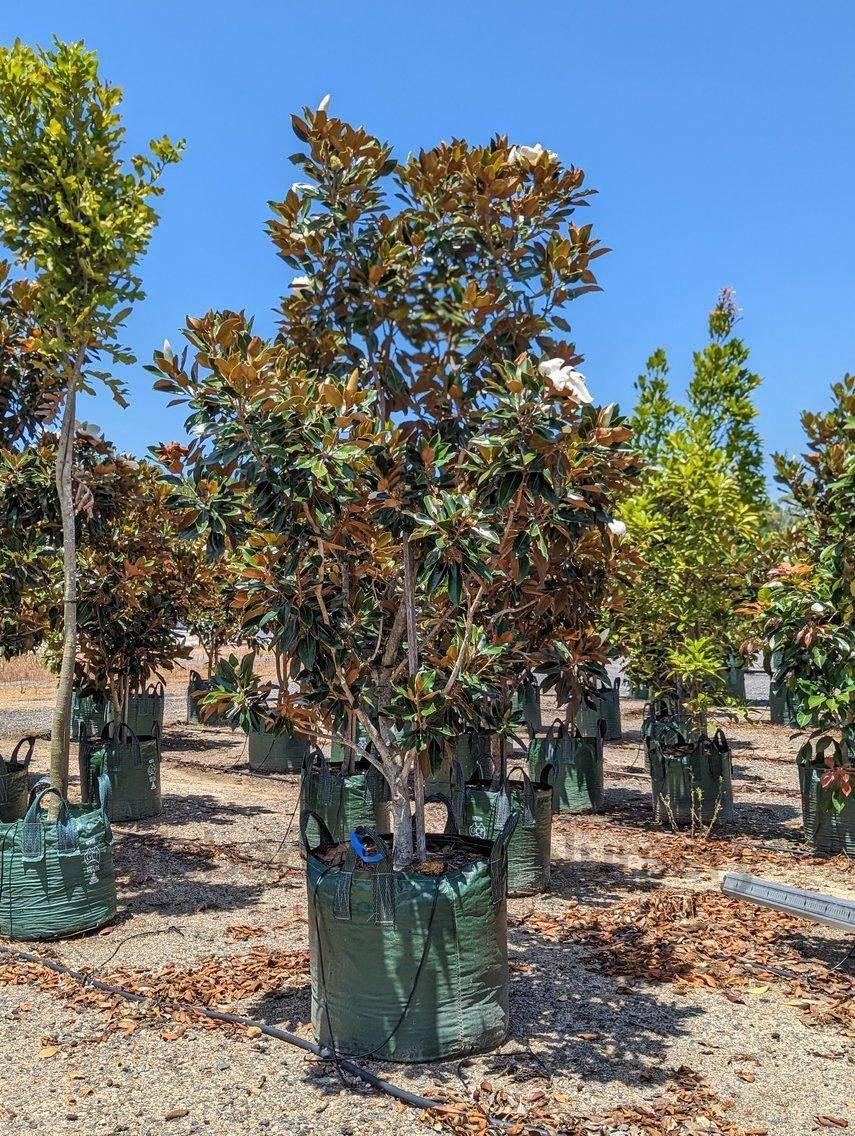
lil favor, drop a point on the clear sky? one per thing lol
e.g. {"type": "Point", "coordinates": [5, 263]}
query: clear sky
{"type": "Point", "coordinates": [720, 138]}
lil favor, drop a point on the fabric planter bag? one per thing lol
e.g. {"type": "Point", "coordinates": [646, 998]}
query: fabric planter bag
{"type": "Point", "coordinates": [526, 702]}
{"type": "Point", "coordinates": [782, 705]}
{"type": "Point", "coordinates": [132, 766]}
{"type": "Point", "coordinates": [827, 829]}
{"type": "Point", "coordinates": [195, 690]}
{"type": "Point", "coordinates": [481, 809]}
{"type": "Point", "coordinates": [57, 876]}
{"type": "Point", "coordinates": [408, 966]}
{"type": "Point", "coordinates": [606, 709]}
{"type": "Point", "coordinates": [576, 767]}
{"type": "Point", "coordinates": [691, 780]}
{"type": "Point", "coordinates": [339, 752]}
{"type": "Point", "coordinates": [15, 781]}
{"type": "Point", "coordinates": [473, 753]}
{"type": "Point", "coordinates": [344, 797]}
{"type": "Point", "coordinates": [89, 714]}
{"type": "Point", "coordinates": [735, 679]}
{"type": "Point", "coordinates": [277, 753]}
{"type": "Point", "coordinates": [145, 711]}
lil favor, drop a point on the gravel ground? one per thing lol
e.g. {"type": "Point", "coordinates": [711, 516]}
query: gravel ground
{"type": "Point", "coordinates": [218, 874]}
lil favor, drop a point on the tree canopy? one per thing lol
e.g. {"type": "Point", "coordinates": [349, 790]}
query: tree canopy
{"type": "Point", "coordinates": [413, 465]}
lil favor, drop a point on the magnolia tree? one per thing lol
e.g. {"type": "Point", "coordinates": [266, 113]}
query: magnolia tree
{"type": "Point", "coordinates": [76, 218]}
{"type": "Point", "coordinates": [413, 467]}
{"type": "Point", "coordinates": [137, 580]}
{"type": "Point", "coordinates": [810, 600]}
{"type": "Point", "coordinates": [695, 523]}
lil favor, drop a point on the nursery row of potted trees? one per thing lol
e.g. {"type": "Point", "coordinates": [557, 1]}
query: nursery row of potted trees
{"type": "Point", "coordinates": [407, 493]}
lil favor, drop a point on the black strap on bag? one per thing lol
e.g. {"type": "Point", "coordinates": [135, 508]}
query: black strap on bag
{"type": "Point", "coordinates": [451, 826]}
{"type": "Point", "coordinates": [457, 787]}
{"type": "Point", "coordinates": [524, 785]}
{"type": "Point", "coordinates": [15, 764]}
{"type": "Point", "coordinates": [33, 827]}
{"type": "Point", "coordinates": [382, 883]}
{"type": "Point", "coordinates": [499, 859]}
{"type": "Point", "coordinates": [316, 772]}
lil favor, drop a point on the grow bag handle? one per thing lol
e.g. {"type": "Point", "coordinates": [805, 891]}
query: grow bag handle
{"type": "Point", "coordinates": [14, 761]}
{"type": "Point", "coordinates": [195, 679]}
{"type": "Point", "coordinates": [326, 836]}
{"type": "Point", "coordinates": [155, 689]}
{"type": "Point", "coordinates": [457, 786]}
{"type": "Point", "coordinates": [316, 768]}
{"type": "Point", "coordinates": [499, 859]}
{"type": "Point", "coordinates": [120, 733]}
{"type": "Point", "coordinates": [451, 826]}
{"type": "Point", "coordinates": [616, 685]}
{"type": "Point", "coordinates": [382, 882]}
{"type": "Point", "coordinates": [105, 793]}
{"type": "Point", "coordinates": [33, 827]}
{"type": "Point", "coordinates": [527, 792]}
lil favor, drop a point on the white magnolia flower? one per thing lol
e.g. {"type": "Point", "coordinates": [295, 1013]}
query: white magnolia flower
{"type": "Point", "coordinates": [565, 379]}
{"type": "Point", "coordinates": [299, 283]}
{"type": "Point", "coordinates": [617, 529]}
{"type": "Point", "coordinates": [168, 353]}
{"type": "Point", "coordinates": [301, 186]}
{"type": "Point", "coordinates": [88, 430]}
{"type": "Point", "coordinates": [817, 609]}
{"type": "Point", "coordinates": [529, 155]}
{"type": "Point", "coordinates": [324, 103]}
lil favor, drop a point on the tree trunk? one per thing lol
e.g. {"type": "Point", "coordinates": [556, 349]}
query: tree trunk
{"type": "Point", "coordinates": [413, 666]}
{"type": "Point", "coordinates": [402, 822]}
{"type": "Point", "coordinates": [61, 723]}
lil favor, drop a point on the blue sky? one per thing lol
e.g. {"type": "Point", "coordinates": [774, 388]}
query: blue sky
{"type": "Point", "coordinates": [719, 136]}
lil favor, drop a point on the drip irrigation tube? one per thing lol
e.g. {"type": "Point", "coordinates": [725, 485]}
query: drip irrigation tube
{"type": "Point", "coordinates": [345, 1063]}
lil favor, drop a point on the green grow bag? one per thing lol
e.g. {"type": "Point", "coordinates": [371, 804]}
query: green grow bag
{"type": "Point", "coordinates": [827, 829]}
{"type": "Point", "coordinates": [195, 690]}
{"type": "Point", "coordinates": [782, 704]}
{"type": "Point", "coordinates": [345, 797]}
{"type": "Point", "coordinates": [57, 876]}
{"type": "Point", "coordinates": [408, 966]}
{"type": "Point", "coordinates": [576, 767]}
{"type": "Point", "coordinates": [277, 753]}
{"type": "Point", "coordinates": [606, 709]}
{"type": "Point", "coordinates": [132, 765]}
{"type": "Point", "coordinates": [691, 778]}
{"type": "Point", "coordinates": [339, 752]}
{"type": "Point", "coordinates": [89, 714]}
{"type": "Point", "coordinates": [481, 809]}
{"type": "Point", "coordinates": [145, 711]}
{"type": "Point", "coordinates": [473, 753]}
{"type": "Point", "coordinates": [15, 782]}
{"type": "Point", "coordinates": [526, 701]}
{"type": "Point", "coordinates": [735, 679]}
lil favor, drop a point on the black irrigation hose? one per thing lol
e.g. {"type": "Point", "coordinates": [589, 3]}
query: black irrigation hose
{"type": "Point", "coordinates": [352, 1067]}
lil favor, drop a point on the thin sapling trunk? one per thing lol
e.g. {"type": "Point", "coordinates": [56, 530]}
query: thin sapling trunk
{"type": "Point", "coordinates": [61, 723]}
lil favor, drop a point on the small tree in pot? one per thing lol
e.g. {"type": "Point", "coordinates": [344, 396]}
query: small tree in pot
{"type": "Point", "coordinates": [425, 462]}
{"type": "Point", "coordinates": [810, 607]}
{"type": "Point", "coordinates": [695, 524]}
{"type": "Point", "coordinates": [77, 217]}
